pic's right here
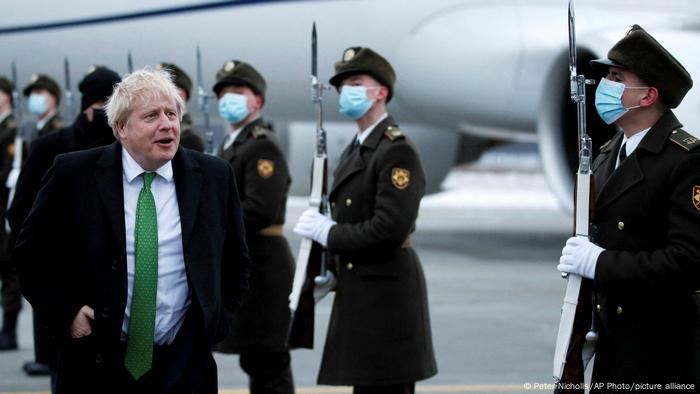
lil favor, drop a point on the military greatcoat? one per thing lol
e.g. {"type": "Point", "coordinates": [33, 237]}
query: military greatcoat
{"type": "Point", "coordinates": [647, 217]}
{"type": "Point", "coordinates": [379, 331]}
{"type": "Point", "coordinates": [263, 180]}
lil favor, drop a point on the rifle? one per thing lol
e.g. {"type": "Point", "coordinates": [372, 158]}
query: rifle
{"type": "Point", "coordinates": [311, 261]}
{"type": "Point", "coordinates": [129, 62]}
{"type": "Point", "coordinates": [17, 159]}
{"type": "Point", "coordinates": [574, 349]}
{"type": "Point", "coordinates": [203, 101]}
{"type": "Point", "coordinates": [68, 93]}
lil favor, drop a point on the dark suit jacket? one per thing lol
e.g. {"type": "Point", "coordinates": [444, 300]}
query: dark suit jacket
{"type": "Point", "coordinates": [649, 223]}
{"type": "Point", "coordinates": [71, 252]}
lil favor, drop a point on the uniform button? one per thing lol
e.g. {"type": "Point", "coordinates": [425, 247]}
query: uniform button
{"type": "Point", "coordinates": [333, 204]}
{"type": "Point", "coordinates": [619, 310]}
{"type": "Point", "coordinates": [98, 358]}
{"type": "Point", "coordinates": [621, 225]}
{"type": "Point", "coordinates": [105, 312]}
{"type": "Point", "coordinates": [597, 308]}
{"type": "Point", "coordinates": [348, 202]}
{"type": "Point", "coordinates": [349, 266]}
{"type": "Point", "coordinates": [115, 265]}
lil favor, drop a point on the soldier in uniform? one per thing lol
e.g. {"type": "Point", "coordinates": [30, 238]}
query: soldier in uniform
{"type": "Point", "coordinates": [379, 337]}
{"type": "Point", "coordinates": [259, 331]}
{"type": "Point", "coordinates": [644, 251]}
{"type": "Point", "coordinates": [43, 96]}
{"type": "Point", "coordinates": [11, 296]}
{"type": "Point", "coordinates": [189, 137]}
{"type": "Point", "coordinates": [89, 130]}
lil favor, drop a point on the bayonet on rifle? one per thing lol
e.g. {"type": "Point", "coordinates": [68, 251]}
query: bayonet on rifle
{"type": "Point", "coordinates": [68, 92]}
{"type": "Point", "coordinates": [311, 261]}
{"type": "Point", "coordinates": [203, 101]}
{"type": "Point", "coordinates": [11, 182]}
{"type": "Point", "coordinates": [129, 62]}
{"type": "Point", "coordinates": [585, 350]}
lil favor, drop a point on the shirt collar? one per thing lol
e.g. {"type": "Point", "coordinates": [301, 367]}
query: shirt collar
{"type": "Point", "coordinates": [4, 115]}
{"type": "Point", "coordinates": [132, 169]}
{"type": "Point", "coordinates": [366, 132]}
{"type": "Point", "coordinates": [632, 142]}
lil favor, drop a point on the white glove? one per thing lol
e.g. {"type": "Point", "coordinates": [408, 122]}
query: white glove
{"type": "Point", "coordinates": [12, 178]}
{"type": "Point", "coordinates": [323, 285]}
{"type": "Point", "coordinates": [312, 224]}
{"type": "Point", "coordinates": [579, 257]}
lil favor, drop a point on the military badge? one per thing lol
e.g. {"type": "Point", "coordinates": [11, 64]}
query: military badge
{"type": "Point", "coordinates": [266, 168]}
{"type": "Point", "coordinates": [400, 178]}
{"type": "Point", "coordinates": [230, 65]}
{"type": "Point", "coordinates": [696, 197]}
{"type": "Point", "coordinates": [93, 68]}
{"type": "Point", "coordinates": [11, 149]}
{"type": "Point", "coordinates": [349, 54]}
{"type": "Point", "coordinates": [34, 78]}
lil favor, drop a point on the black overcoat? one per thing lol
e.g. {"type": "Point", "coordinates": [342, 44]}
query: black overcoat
{"type": "Point", "coordinates": [379, 331]}
{"type": "Point", "coordinates": [647, 217]}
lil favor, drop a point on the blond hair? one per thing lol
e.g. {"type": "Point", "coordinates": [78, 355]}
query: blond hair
{"type": "Point", "coordinates": [146, 84]}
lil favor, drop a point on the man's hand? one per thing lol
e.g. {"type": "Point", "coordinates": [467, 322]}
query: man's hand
{"type": "Point", "coordinates": [579, 257]}
{"type": "Point", "coordinates": [81, 326]}
{"type": "Point", "coordinates": [312, 224]}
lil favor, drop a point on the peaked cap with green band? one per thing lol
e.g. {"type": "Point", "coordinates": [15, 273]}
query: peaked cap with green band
{"type": "Point", "coordinates": [235, 72]}
{"type": "Point", "coordinates": [359, 60]}
{"type": "Point", "coordinates": [641, 54]}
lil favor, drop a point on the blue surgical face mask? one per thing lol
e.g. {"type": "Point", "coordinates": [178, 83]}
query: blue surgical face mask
{"type": "Point", "coordinates": [233, 107]}
{"type": "Point", "coordinates": [608, 100]}
{"type": "Point", "coordinates": [37, 104]}
{"type": "Point", "coordinates": [354, 102]}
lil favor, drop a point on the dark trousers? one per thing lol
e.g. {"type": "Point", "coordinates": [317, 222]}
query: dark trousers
{"type": "Point", "coordinates": [269, 372]}
{"type": "Point", "coordinates": [186, 366]}
{"type": "Point", "coordinates": [407, 388]}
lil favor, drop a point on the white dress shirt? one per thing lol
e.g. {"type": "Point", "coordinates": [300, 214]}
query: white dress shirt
{"type": "Point", "coordinates": [631, 144]}
{"type": "Point", "coordinates": [173, 294]}
{"type": "Point", "coordinates": [42, 122]}
{"type": "Point", "coordinates": [362, 136]}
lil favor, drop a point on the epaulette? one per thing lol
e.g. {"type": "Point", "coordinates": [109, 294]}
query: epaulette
{"type": "Point", "coordinates": [57, 124]}
{"type": "Point", "coordinates": [605, 145]}
{"type": "Point", "coordinates": [394, 133]}
{"type": "Point", "coordinates": [259, 132]}
{"type": "Point", "coordinates": [684, 139]}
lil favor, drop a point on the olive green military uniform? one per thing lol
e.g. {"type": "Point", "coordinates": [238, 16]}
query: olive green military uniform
{"type": "Point", "coordinates": [260, 328]}
{"type": "Point", "coordinates": [11, 296]}
{"type": "Point", "coordinates": [189, 137]}
{"type": "Point", "coordinates": [263, 181]}
{"type": "Point", "coordinates": [647, 220]}
{"type": "Point", "coordinates": [55, 123]}
{"type": "Point", "coordinates": [379, 331]}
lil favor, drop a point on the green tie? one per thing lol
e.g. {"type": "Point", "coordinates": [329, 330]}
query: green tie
{"type": "Point", "coordinates": [142, 320]}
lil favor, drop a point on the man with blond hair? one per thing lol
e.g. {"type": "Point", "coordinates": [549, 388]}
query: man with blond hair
{"type": "Point", "coordinates": [135, 253]}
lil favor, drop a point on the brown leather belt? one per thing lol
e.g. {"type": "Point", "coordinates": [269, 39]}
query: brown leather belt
{"type": "Point", "coordinates": [276, 230]}
{"type": "Point", "coordinates": [406, 243]}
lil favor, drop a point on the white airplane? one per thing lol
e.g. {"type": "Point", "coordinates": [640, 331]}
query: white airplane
{"type": "Point", "coordinates": [469, 71]}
